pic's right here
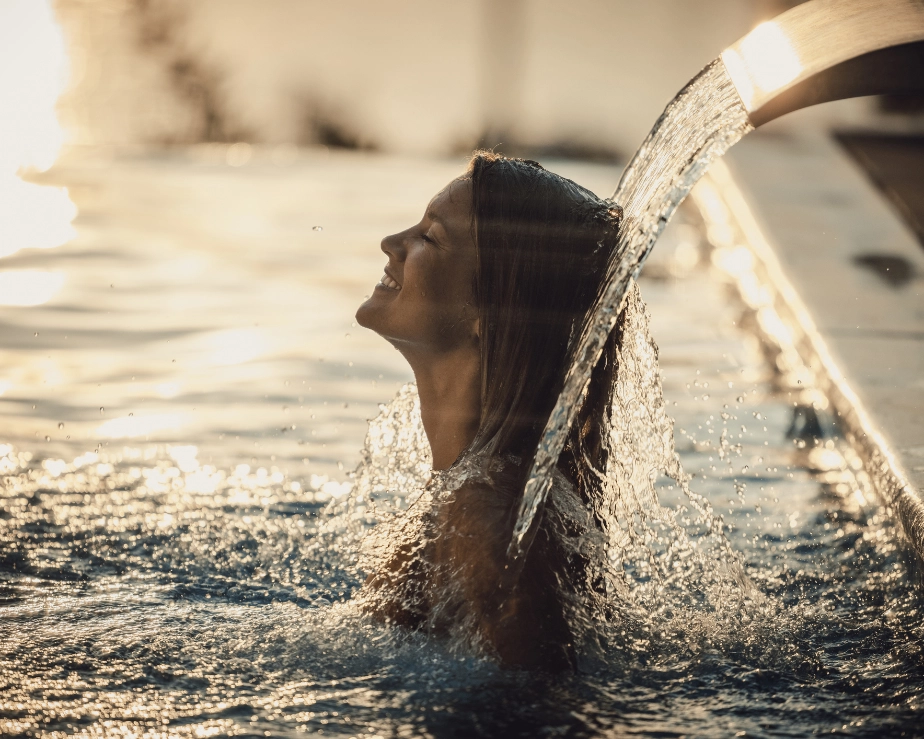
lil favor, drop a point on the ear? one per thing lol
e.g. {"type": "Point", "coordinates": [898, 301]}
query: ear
{"type": "Point", "coordinates": [474, 320]}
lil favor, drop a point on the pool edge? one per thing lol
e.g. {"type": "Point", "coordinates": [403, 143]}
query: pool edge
{"type": "Point", "coordinates": [810, 334]}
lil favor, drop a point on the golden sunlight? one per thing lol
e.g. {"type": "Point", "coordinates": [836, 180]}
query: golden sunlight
{"type": "Point", "coordinates": [763, 62]}
{"type": "Point", "coordinates": [33, 73]}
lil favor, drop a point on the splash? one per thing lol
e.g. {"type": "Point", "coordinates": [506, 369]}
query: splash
{"type": "Point", "coordinates": [645, 563]}
{"type": "Point", "coordinates": [698, 126]}
{"type": "Point", "coordinates": [33, 74]}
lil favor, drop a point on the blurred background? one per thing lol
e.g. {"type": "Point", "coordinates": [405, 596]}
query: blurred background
{"type": "Point", "coordinates": [587, 77]}
{"type": "Point", "coordinates": [192, 194]}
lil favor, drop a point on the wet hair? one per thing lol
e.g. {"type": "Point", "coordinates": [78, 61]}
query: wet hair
{"type": "Point", "coordinates": [543, 245]}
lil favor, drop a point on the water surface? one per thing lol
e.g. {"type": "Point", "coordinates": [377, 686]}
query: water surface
{"type": "Point", "coordinates": [186, 575]}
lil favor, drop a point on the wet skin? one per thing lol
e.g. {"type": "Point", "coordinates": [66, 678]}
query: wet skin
{"type": "Point", "coordinates": [425, 307]}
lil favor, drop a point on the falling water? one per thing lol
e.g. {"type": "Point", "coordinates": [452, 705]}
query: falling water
{"type": "Point", "coordinates": [699, 125]}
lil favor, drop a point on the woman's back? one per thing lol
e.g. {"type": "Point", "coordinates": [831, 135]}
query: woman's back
{"type": "Point", "coordinates": [447, 571]}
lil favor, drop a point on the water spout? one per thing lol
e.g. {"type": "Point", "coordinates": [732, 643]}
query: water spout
{"type": "Point", "coordinates": [820, 51]}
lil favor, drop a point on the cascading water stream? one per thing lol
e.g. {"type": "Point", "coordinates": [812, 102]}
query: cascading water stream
{"type": "Point", "coordinates": [698, 126]}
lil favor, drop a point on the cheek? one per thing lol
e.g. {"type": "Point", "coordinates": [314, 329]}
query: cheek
{"type": "Point", "coordinates": [438, 298]}
{"type": "Point", "coordinates": [445, 283]}
{"type": "Point", "coordinates": [434, 307]}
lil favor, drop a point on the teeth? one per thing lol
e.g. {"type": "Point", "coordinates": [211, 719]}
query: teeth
{"type": "Point", "coordinates": [386, 281]}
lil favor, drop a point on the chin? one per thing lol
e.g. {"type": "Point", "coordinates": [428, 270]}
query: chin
{"type": "Point", "coordinates": [370, 313]}
{"type": "Point", "coordinates": [365, 314]}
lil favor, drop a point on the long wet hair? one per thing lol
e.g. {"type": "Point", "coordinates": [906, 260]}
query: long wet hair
{"type": "Point", "coordinates": [543, 244]}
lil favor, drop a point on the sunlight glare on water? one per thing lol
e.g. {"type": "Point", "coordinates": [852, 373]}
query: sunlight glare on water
{"type": "Point", "coordinates": [33, 73]}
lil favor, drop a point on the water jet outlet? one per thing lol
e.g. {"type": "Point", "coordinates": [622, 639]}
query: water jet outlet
{"type": "Point", "coordinates": [828, 50]}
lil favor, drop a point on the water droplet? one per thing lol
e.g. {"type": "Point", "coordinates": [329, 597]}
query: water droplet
{"type": "Point", "coordinates": [102, 410]}
{"type": "Point", "coordinates": [47, 438]}
{"type": "Point", "coordinates": [130, 415]}
{"type": "Point", "coordinates": [60, 425]}
{"type": "Point", "coordinates": [317, 228]}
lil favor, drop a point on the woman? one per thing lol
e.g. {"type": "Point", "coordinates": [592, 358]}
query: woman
{"type": "Point", "coordinates": [484, 297]}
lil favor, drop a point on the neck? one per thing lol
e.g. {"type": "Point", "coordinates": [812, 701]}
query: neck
{"type": "Point", "coordinates": [449, 386]}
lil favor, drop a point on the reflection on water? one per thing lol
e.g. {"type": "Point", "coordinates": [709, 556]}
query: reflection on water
{"type": "Point", "coordinates": [182, 564]}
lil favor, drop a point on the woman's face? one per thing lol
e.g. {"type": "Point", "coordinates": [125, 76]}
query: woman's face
{"type": "Point", "coordinates": [424, 301]}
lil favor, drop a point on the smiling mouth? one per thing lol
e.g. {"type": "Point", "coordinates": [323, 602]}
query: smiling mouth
{"type": "Point", "coordinates": [388, 283]}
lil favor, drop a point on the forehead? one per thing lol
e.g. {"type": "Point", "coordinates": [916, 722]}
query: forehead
{"type": "Point", "coordinates": [451, 207]}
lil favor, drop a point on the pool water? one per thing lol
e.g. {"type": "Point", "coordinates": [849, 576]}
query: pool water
{"type": "Point", "coordinates": [180, 422]}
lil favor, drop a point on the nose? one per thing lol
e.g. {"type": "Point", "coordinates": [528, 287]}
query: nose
{"type": "Point", "coordinates": [394, 247]}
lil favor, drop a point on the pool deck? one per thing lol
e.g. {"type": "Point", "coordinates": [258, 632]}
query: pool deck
{"type": "Point", "coordinates": [848, 275]}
